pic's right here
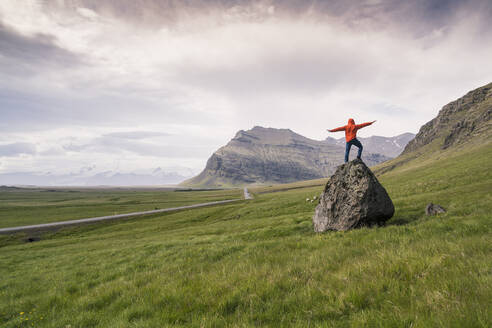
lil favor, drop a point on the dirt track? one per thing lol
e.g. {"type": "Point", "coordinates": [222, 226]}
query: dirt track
{"type": "Point", "coordinates": [56, 225]}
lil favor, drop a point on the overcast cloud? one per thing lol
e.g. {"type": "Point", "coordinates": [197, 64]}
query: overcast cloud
{"type": "Point", "coordinates": [129, 85]}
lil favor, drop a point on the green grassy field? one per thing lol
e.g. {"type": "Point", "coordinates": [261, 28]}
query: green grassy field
{"type": "Point", "coordinates": [33, 206]}
{"type": "Point", "coordinates": [259, 263]}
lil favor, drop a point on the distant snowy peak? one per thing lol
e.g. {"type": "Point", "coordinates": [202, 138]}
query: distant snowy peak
{"type": "Point", "coordinates": [387, 146]}
{"type": "Point", "coordinates": [181, 171]}
{"type": "Point", "coordinates": [148, 177]}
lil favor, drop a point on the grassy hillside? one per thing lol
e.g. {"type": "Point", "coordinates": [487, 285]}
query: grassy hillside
{"type": "Point", "coordinates": [33, 206]}
{"type": "Point", "coordinates": [259, 263]}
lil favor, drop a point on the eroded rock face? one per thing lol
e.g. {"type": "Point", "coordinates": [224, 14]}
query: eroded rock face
{"type": "Point", "coordinates": [352, 198]}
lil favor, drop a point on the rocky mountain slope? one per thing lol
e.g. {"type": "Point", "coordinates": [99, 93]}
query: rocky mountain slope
{"type": "Point", "coordinates": [459, 121]}
{"type": "Point", "coordinates": [267, 155]}
{"type": "Point", "coordinates": [387, 146]}
{"type": "Point", "coordinates": [464, 122]}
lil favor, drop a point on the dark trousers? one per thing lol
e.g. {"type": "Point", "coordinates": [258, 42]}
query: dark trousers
{"type": "Point", "coordinates": [349, 144]}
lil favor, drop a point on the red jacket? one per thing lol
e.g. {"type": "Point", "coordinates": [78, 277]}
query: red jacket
{"type": "Point", "coordinates": [351, 129]}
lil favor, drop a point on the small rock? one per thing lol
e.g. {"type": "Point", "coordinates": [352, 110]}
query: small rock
{"type": "Point", "coordinates": [307, 199]}
{"type": "Point", "coordinates": [433, 209]}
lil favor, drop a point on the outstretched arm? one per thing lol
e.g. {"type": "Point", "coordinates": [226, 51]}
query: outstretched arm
{"type": "Point", "coordinates": [342, 128]}
{"type": "Point", "coordinates": [360, 126]}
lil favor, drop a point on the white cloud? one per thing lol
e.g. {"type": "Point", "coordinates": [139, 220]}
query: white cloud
{"type": "Point", "coordinates": [136, 134]}
{"type": "Point", "coordinates": [16, 149]}
{"type": "Point", "coordinates": [87, 13]}
{"type": "Point", "coordinates": [169, 93]}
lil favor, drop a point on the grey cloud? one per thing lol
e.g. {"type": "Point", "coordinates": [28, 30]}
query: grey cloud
{"type": "Point", "coordinates": [23, 59]}
{"type": "Point", "coordinates": [307, 70]}
{"type": "Point", "coordinates": [18, 148]}
{"type": "Point", "coordinates": [20, 54]}
{"type": "Point", "coordinates": [111, 145]}
{"type": "Point", "coordinates": [53, 151]}
{"type": "Point", "coordinates": [136, 134]}
{"type": "Point", "coordinates": [417, 16]}
{"type": "Point", "coordinates": [87, 178]}
{"type": "Point", "coordinates": [389, 109]}
{"type": "Point", "coordinates": [75, 147]}
{"type": "Point", "coordinates": [331, 65]}
{"type": "Point", "coordinates": [271, 86]}
{"type": "Point", "coordinates": [26, 110]}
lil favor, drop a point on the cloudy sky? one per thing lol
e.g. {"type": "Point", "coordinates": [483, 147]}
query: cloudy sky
{"type": "Point", "coordinates": [128, 85]}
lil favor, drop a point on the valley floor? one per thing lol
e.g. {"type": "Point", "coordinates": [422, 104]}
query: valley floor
{"type": "Point", "coordinates": [259, 263]}
{"type": "Point", "coordinates": [20, 207]}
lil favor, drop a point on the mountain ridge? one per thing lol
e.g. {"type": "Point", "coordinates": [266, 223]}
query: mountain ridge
{"type": "Point", "coordinates": [462, 123]}
{"type": "Point", "coordinates": [387, 146]}
{"type": "Point", "coordinates": [269, 155]}
{"type": "Point", "coordinates": [467, 116]}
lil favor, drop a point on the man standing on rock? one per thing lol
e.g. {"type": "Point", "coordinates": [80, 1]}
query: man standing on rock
{"type": "Point", "coordinates": [351, 136]}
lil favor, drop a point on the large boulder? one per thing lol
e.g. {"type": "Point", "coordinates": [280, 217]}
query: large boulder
{"type": "Point", "coordinates": [352, 198]}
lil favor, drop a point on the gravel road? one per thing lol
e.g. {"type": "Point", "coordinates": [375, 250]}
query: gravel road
{"type": "Point", "coordinates": [55, 225]}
